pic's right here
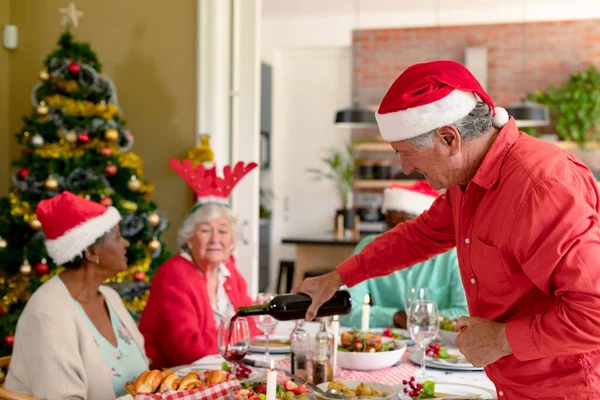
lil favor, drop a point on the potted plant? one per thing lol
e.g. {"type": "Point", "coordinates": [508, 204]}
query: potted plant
{"type": "Point", "coordinates": [339, 169]}
{"type": "Point", "coordinates": [575, 111]}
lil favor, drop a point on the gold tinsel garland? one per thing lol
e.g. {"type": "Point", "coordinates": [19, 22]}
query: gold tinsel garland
{"type": "Point", "coordinates": [141, 265]}
{"type": "Point", "coordinates": [68, 86]}
{"type": "Point", "coordinates": [20, 208]}
{"type": "Point", "coordinates": [138, 303]}
{"type": "Point", "coordinates": [59, 149]}
{"type": "Point", "coordinates": [82, 108]}
{"type": "Point", "coordinates": [133, 162]}
{"type": "Point", "coordinates": [202, 153]}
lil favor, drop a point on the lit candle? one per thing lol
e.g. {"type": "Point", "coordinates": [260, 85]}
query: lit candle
{"type": "Point", "coordinates": [366, 311]}
{"type": "Point", "coordinates": [335, 330]}
{"type": "Point", "coordinates": [272, 382]}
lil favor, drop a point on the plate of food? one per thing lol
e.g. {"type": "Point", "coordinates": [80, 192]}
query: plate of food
{"type": "Point", "coordinates": [368, 351]}
{"type": "Point", "coordinates": [278, 344]}
{"type": "Point", "coordinates": [286, 390]}
{"type": "Point", "coordinates": [155, 381]}
{"type": "Point", "coordinates": [448, 332]}
{"type": "Point", "coordinates": [446, 390]}
{"type": "Point", "coordinates": [440, 357]}
{"type": "Point", "coordinates": [243, 372]}
{"type": "Point", "coordinates": [364, 390]}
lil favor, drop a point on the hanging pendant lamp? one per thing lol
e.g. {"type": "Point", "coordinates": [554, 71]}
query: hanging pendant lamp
{"type": "Point", "coordinates": [528, 114]}
{"type": "Point", "coordinates": [355, 117]}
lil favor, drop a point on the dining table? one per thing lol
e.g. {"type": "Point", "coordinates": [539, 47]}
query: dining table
{"type": "Point", "coordinates": [393, 376]}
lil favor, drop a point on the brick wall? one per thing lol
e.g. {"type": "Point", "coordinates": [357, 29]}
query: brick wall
{"type": "Point", "coordinates": [553, 51]}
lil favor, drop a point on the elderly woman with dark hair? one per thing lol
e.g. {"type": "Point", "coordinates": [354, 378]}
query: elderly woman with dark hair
{"type": "Point", "coordinates": [192, 292]}
{"type": "Point", "coordinates": [75, 338]}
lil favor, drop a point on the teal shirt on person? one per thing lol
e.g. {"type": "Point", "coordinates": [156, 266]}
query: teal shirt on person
{"type": "Point", "coordinates": [125, 362]}
{"type": "Point", "coordinates": [439, 274]}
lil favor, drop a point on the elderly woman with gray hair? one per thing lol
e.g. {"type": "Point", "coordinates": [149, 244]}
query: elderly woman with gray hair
{"type": "Point", "coordinates": [193, 291]}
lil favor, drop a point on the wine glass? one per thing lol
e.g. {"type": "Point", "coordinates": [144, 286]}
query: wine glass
{"type": "Point", "coordinates": [415, 293]}
{"type": "Point", "coordinates": [233, 340]}
{"type": "Point", "coordinates": [423, 325]}
{"type": "Point", "coordinates": [265, 323]}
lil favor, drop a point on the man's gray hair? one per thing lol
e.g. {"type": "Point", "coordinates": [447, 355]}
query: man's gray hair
{"type": "Point", "coordinates": [203, 215]}
{"type": "Point", "coordinates": [473, 125]}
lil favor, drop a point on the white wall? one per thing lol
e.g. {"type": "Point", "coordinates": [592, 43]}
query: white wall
{"type": "Point", "coordinates": [308, 86]}
{"type": "Point", "coordinates": [286, 29]}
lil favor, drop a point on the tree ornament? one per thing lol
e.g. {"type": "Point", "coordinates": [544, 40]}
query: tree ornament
{"type": "Point", "coordinates": [35, 224]}
{"type": "Point", "coordinates": [133, 184]}
{"type": "Point", "coordinates": [25, 267]}
{"type": "Point", "coordinates": [139, 276]}
{"type": "Point", "coordinates": [106, 201]}
{"type": "Point", "coordinates": [37, 140]}
{"type": "Point", "coordinates": [154, 245]}
{"type": "Point", "coordinates": [51, 183]}
{"type": "Point", "coordinates": [111, 134]}
{"type": "Point", "coordinates": [106, 151]}
{"type": "Point", "coordinates": [3, 243]}
{"type": "Point", "coordinates": [84, 138]}
{"type": "Point", "coordinates": [42, 268]}
{"type": "Point", "coordinates": [24, 173]}
{"type": "Point", "coordinates": [110, 170]}
{"type": "Point", "coordinates": [74, 68]}
{"type": "Point", "coordinates": [42, 108]}
{"type": "Point", "coordinates": [9, 340]}
{"type": "Point", "coordinates": [153, 219]}
{"type": "Point", "coordinates": [71, 136]}
{"type": "Point", "coordinates": [44, 75]}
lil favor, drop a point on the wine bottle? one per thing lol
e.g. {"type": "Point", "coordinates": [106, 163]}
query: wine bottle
{"type": "Point", "coordinates": [288, 307]}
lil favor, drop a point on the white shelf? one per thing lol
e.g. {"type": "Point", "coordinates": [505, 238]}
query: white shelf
{"type": "Point", "coordinates": [374, 146]}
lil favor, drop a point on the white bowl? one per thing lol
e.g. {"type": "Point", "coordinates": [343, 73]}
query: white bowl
{"type": "Point", "coordinates": [371, 361]}
{"type": "Point", "coordinates": [448, 338]}
{"type": "Point", "coordinates": [389, 392]}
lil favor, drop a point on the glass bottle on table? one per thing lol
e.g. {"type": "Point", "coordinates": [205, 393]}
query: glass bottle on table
{"type": "Point", "coordinates": [300, 346]}
{"type": "Point", "coordinates": [322, 353]}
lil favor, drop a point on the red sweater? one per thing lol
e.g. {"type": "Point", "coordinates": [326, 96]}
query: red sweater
{"type": "Point", "coordinates": [178, 322]}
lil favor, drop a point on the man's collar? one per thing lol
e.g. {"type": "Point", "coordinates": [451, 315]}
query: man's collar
{"type": "Point", "coordinates": [489, 171]}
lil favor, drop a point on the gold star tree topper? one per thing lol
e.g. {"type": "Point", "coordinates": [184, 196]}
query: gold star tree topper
{"type": "Point", "coordinates": [70, 15]}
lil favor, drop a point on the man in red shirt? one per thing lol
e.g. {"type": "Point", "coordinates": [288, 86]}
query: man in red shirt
{"type": "Point", "coordinates": [524, 217]}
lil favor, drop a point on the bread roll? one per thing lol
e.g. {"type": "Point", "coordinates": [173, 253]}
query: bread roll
{"type": "Point", "coordinates": [148, 381]}
{"type": "Point", "coordinates": [215, 376]}
{"type": "Point", "coordinates": [190, 382]}
{"type": "Point", "coordinates": [169, 382]}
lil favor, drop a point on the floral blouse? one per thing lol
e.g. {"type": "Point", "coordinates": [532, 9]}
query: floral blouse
{"type": "Point", "coordinates": [123, 363]}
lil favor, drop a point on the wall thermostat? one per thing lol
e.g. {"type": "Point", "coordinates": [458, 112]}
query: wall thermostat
{"type": "Point", "coordinates": [10, 36]}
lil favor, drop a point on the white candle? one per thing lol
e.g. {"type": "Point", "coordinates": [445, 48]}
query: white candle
{"type": "Point", "coordinates": [366, 310]}
{"type": "Point", "coordinates": [272, 382]}
{"type": "Point", "coordinates": [335, 330]}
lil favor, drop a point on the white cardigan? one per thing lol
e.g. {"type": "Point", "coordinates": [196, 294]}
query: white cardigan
{"type": "Point", "coordinates": [54, 354]}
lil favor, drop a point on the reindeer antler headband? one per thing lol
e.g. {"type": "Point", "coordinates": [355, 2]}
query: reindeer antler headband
{"type": "Point", "coordinates": [208, 187]}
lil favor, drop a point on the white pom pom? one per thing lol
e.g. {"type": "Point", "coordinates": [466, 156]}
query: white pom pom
{"type": "Point", "coordinates": [501, 117]}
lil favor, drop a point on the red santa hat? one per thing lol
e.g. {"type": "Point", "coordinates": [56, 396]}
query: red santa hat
{"type": "Point", "coordinates": [413, 199]}
{"type": "Point", "coordinates": [72, 224]}
{"type": "Point", "coordinates": [428, 96]}
{"type": "Point", "coordinates": [208, 187]}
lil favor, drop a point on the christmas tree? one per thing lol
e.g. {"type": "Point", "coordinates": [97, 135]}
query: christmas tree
{"type": "Point", "coordinates": [75, 139]}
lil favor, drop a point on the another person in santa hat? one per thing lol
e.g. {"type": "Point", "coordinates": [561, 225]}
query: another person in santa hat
{"type": "Point", "coordinates": [440, 274]}
{"type": "Point", "coordinates": [75, 339]}
{"type": "Point", "coordinates": [524, 217]}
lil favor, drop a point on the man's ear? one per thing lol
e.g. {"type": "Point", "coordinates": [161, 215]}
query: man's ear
{"type": "Point", "coordinates": [450, 138]}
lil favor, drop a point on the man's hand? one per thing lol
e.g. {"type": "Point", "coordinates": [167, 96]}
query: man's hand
{"type": "Point", "coordinates": [320, 289]}
{"type": "Point", "coordinates": [482, 341]}
{"type": "Point", "coordinates": [400, 319]}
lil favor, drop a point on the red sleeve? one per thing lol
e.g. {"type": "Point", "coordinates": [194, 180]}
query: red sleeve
{"type": "Point", "coordinates": [406, 244]}
{"type": "Point", "coordinates": [187, 334]}
{"type": "Point", "coordinates": [559, 248]}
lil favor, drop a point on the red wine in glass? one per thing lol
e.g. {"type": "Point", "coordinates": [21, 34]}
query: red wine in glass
{"type": "Point", "coordinates": [234, 340]}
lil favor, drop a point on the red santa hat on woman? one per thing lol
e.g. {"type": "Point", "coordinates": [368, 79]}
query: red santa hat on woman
{"type": "Point", "coordinates": [431, 95]}
{"type": "Point", "coordinates": [413, 199]}
{"type": "Point", "coordinates": [72, 224]}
